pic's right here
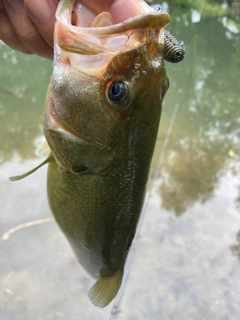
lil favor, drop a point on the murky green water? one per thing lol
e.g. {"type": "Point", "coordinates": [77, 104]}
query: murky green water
{"type": "Point", "coordinates": [186, 264]}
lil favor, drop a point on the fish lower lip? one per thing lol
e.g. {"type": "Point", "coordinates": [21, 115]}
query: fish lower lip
{"type": "Point", "coordinates": [61, 128]}
{"type": "Point", "coordinates": [54, 122]}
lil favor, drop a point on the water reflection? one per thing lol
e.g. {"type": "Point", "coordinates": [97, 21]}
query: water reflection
{"type": "Point", "coordinates": [205, 139]}
{"type": "Point", "coordinates": [191, 175]}
{"type": "Point", "coordinates": [21, 102]}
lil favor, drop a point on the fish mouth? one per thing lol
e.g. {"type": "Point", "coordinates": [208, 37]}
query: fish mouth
{"type": "Point", "coordinates": [82, 31]}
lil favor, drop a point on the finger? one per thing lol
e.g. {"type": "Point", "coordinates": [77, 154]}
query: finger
{"type": "Point", "coordinates": [8, 35]}
{"type": "Point", "coordinates": [124, 9]}
{"type": "Point", "coordinates": [119, 9]}
{"type": "Point", "coordinates": [42, 15]}
{"type": "Point", "coordinates": [26, 31]}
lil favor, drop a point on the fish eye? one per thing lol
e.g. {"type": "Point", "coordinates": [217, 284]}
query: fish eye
{"type": "Point", "coordinates": [118, 93]}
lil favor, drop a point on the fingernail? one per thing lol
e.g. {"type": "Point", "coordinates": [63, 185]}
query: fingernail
{"type": "Point", "coordinates": [40, 10]}
{"type": "Point", "coordinates": [15, 5]}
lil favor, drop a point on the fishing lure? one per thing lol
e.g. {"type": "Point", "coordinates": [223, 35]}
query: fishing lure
{"type": "Point", "coordinates": [173, 50]}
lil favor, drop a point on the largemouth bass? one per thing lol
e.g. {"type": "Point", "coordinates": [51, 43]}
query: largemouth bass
{"type": "Point", "coordinates": [102, 114]}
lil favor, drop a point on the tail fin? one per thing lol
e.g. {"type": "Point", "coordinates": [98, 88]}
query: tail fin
{"type": "Point", "coordinates": [105, 289]}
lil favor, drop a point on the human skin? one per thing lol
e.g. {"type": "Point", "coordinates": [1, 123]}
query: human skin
{"type": "Point", "coordinates": [27, 25]}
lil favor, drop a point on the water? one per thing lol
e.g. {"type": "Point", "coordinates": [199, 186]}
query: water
{"type": "Point", "coordinates": [186, 265]}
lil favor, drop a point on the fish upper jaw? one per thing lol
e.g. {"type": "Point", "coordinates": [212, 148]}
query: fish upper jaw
{"type": "Point", "coordinates": [80, 14]}
{"type": "Point", "coordinates": [81, 38]}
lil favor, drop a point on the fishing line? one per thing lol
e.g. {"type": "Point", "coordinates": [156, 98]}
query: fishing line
{"type": "Point", "coordinates": [115, 308]}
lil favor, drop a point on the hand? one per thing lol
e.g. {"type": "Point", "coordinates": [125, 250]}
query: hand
{"type": "Point", "coordinates": [27, 25]}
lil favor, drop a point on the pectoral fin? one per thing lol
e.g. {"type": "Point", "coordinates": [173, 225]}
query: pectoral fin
{"type": "Point", "coordinates": [43, 150]}
{"type": "Point", "coordinates": [49, 159]}
{"type": "Point", "coordinates": [105, 289]}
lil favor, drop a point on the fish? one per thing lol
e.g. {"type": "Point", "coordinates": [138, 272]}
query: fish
{"type": "Point", "coordinates": [102, 114]}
